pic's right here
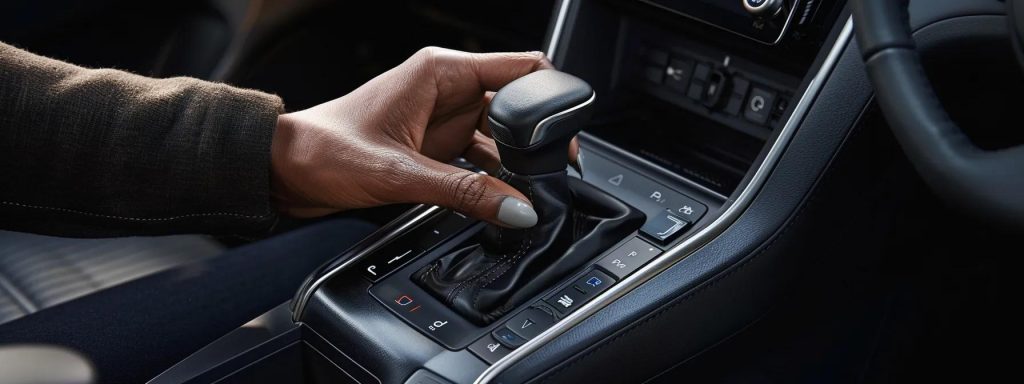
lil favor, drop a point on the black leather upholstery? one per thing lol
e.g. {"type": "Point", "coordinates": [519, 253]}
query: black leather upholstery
{"type": "Point", "coordinates": [522, 105]}
{"type": "Point", "coordinates": [576, 222]}
{"type": "Point", "coordinates": [940, 151]}
{"type": "Point", "coordinates": [37, 271]}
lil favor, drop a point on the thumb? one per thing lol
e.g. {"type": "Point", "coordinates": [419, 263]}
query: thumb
{"type": "Point", "coordinates": [477, 195]}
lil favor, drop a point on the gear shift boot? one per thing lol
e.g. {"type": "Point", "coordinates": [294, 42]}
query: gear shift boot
{"type": "Point", "coordinates": [504, 268]}
{"type": "Point", "coordinates": [533, 119]}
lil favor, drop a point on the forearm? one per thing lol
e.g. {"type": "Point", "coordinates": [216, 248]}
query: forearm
{"type": "Point", "coordinates": [99, 152]}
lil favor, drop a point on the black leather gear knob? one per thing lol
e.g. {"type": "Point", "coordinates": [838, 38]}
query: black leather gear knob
{"type": "Point", "coordinates": [534, 117]}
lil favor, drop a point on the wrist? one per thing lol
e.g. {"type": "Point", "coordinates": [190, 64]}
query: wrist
{"type": "Point", "coordinates": [281, 158]}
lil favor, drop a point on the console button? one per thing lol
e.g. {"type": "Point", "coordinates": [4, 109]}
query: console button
{"type": "Point", "coordinates": [700, 80]}
{"type": "Point", "coordinates": [696, 91]}
{"type": "Point", "coordinates": [665, 227]}
{"type": "Point", "coordinates": [508, 338]}
{"type": "Point", "coordinates": [717, 87]}
{"type": "Point", "coordinates": [628, 257]}
{"type": "Point", "coordinates": [680, 205]}
{"type": "Point", "coordinates": [489, 349]}
{"type": "Point", "coordinates": [530, 323]}
{"type": "Point", "coordinates": [759, 105]}
{"type": "Point", "coordinates": [703, 72]}
{"type": "Point", "coordinates": [567, 300]}
{"type": "Point", "coordinates": [424, 313]}
{"type": "Point", "coordinates": [412, 244]}
{"type": "Point", "coordinates": [641, 192]}
{"type": "Point", "coordinates": [580, 291]}
{"type": "Point", "coordinates": [388, 259]}
{"type": "Point", "coordinates": [678, 74]}
{"type": "Point", "coordinates": [740, 86]}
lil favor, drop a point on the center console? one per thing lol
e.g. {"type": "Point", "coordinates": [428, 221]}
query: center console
{"type": "Point", "coordinates": [692, 104]}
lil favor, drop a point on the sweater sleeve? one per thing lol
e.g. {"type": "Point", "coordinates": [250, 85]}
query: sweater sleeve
{"type": "Point", "coordinates": [101, 152]}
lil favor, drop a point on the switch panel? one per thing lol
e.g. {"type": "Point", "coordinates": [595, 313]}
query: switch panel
{"type": "Point", "coordinates": [412, 244]}
{"type": "Point", "coordinates": [656, 200]}
{"type": "Point", "coordinates": [580, 291]}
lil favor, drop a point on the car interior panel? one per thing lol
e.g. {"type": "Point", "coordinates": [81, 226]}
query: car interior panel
{"type": "Point", "coordinates": [792, 191]}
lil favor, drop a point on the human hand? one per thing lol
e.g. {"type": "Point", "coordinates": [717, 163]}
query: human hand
{"type": "Point", "coordinates": [390, 140]}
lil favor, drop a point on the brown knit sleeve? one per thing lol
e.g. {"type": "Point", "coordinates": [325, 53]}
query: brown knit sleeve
{"type": "Point", "coordinates": [102, 152]}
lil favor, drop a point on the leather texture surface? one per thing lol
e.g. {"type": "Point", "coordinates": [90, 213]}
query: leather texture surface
{"type": "Point", "coordinates": [37, 272]}
{"type": "Point", "coordinates": [940, 151]}
{"type": "Point", "coordinates": [520, 106]}
{"type": "Point", "coordinates": [485, 280]}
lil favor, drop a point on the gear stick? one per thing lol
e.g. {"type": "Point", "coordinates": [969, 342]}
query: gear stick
{"type": "Point", "coordinates": [532, 119]}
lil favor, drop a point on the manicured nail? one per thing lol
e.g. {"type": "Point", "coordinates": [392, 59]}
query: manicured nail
{"type": "Point", "coordinates": [516, 213]}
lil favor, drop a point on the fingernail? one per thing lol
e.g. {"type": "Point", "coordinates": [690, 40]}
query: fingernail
{"type": "Point", "coordinates": [516, 213]}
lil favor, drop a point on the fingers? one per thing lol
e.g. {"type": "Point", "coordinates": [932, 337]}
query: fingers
{"type": "Point", "coordinates": [495, 70]}
{"type": "Point", "coordinates": [483, 153]}
{"type": "Point", "coordinates": [460, 77]}
{"type": "Point", "coordinates": [474, 194]}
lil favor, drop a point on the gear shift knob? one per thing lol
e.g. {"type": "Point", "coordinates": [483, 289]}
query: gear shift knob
{"type": "Point", "coordinates": [534, 117]}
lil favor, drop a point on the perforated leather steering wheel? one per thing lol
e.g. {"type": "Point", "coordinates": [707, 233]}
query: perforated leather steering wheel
{"type": "Point", "coordinates": [990, 182]}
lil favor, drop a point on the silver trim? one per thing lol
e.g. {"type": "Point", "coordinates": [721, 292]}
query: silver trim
{"type": "Point", "coordinates": [785, 27]}
{"type": "Point", "coordinates": [556, 33]}
{"type": "Point", "coordinates": [702, 237]}
{"type": "Point", "coordinates": [300, 306]}
{"type": "Point", "coordinates": [547, 120]}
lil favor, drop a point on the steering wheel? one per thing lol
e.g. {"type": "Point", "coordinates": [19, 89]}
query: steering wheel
{"type": "Point", "coordinates": [991, 183]}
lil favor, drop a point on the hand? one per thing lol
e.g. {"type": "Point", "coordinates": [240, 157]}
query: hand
{"type": "Point", "coordinates": [390, 140]}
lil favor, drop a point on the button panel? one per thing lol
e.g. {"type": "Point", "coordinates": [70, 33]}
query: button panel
{"type": "Point", "coordinates": [712, 85]}
{"type": "Point", "coordinates": [425, 313]}
{"type": "Point", "coordinates": [647, 195]}
{"type": "Point", "coordinates": [412, 244]}
{"type": "Point", "coordinates": [628, 257]}
{"type": "Point", "coordinates": [580, 291]}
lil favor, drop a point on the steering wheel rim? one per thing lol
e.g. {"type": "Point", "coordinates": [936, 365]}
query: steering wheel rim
{"type": "Point", "coordinates": [989, 184]}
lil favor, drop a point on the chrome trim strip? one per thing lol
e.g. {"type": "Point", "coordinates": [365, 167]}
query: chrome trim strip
{"type": "Point", "coordinates": [300, 306]}
{"type": "Point", "coordinates": [782, 33]}
{"type": "Point", "coordinates": [547, 120]}
{"type": "Point", "coordinates": [563, 11]}
{"type": "Point", "coordinates": [699, 239]}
